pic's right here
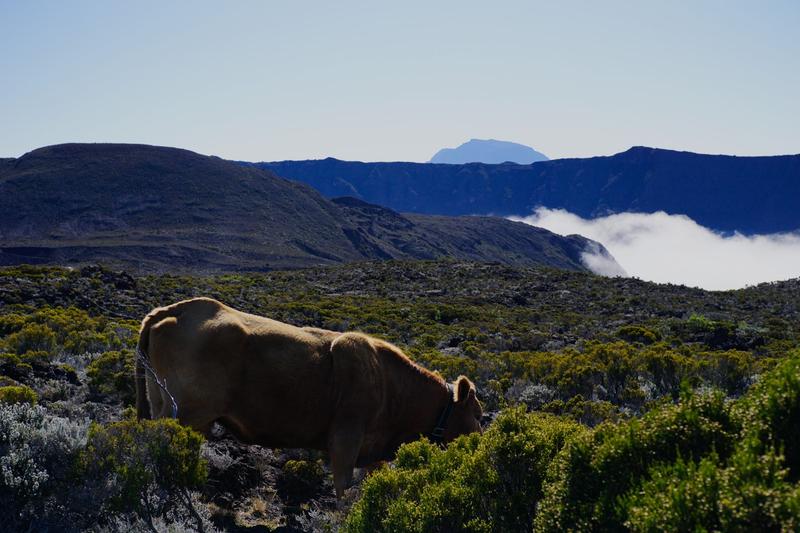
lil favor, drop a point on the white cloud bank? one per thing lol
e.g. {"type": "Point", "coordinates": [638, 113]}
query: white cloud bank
{"type": "Point", "coordinates": [675, 249]}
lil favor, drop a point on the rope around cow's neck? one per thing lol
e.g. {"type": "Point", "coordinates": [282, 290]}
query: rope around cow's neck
{"type": "Point", "coordinates": [161, 383]}
{"type": "Point", "coordinates": [437, 435]}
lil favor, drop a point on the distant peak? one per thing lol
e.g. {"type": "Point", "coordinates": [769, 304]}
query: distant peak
{"type": "Point", "coordinates": [640, 148]}
{"type": "Point", "coordinates": [634, 150]}
{"type": "Point", "coordinates": [489, 151]}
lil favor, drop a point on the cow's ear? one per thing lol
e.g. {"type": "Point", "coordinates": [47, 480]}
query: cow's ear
{"type": "Point", "coordinates": [463, 388]}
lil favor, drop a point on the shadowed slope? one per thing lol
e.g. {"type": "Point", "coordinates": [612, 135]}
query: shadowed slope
{"type": "Point", "coordinates": [156, 209]}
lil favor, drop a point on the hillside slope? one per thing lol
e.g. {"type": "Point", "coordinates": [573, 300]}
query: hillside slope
{"type": "Point", "coordinates": [726, 193]}
{"type": "Point", "coordinates": [159, 209]}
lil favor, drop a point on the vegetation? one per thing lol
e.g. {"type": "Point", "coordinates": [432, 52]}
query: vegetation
{"type": "Point", "coordinates": [301, 479]}
{"type": "Point", "coordinates": [152, 465]}
{"type": "Point", "coordinates": [36, 453]}
{"type": "Point", "coordinates": [480, 483]}
{"type": "Point", "coordinates": [701, 464]}
{"type": "Point", "coordinates": [110, 376]}
{"type": "Point", "coordinates": [18, 394]}
{"type": "Point", "coordinates": [64, 474]}
{"type": "Point", "coordinates": [616, 404]}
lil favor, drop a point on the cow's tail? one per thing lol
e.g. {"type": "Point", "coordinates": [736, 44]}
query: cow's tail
{"type": "Point", "coordinates": [142, 402]}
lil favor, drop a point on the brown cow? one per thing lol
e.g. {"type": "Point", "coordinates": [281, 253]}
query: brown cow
{"type": "Point", "coordinates": [278, 385]}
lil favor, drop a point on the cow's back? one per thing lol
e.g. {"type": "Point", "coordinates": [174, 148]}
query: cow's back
{"type": "Point", "coordinates": [270, 383]}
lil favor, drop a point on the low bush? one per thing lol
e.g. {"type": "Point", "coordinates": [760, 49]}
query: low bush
{"type": "Point", "coordinates": [31, 338]}
{"type": "Point", "coordinates": [11, 322]}
{"type": "Point", "coordinates": [489, 482]}
{"type": "Point", "coordinates": [18, 394]}
{"type": "Point", "coordinates": [750, 494]}
{"type": "Point", "coordinates": [638, 334]}
{"type": "Point", "coordinates": [13, 366]}
{"type": "Point", "coordinates": [590, 413]}
{"type": "Point", "coordinates": [300, 479]}
{"type": "Point", "coordinates": [678, 497]}
{"type": "Point", "coordinates": [148, 467]}
{"type": "Point", "coordinates": [592, 473]}
{"type": "Point", "coordinates": [703, 463]}
{"type": "Point", "coordinates": [51, 330]}
{"type": "Point", "coordinates": [36, 454]}
{"type": "Point", "coordinates": [770, 414]}
{"type": "Point", "coordinates": [111, 376]}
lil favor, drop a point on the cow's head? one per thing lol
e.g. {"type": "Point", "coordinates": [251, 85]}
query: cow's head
{"type": "Point", "coordinates": [467, 412]}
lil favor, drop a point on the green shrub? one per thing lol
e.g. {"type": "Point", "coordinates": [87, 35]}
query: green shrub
{"type": "Point", "coordinates": [700, 324]}
{"type": "Point", "coordinates": [489, 482]}
{"type": "Point", "coordinates": [52, 329]}
{"type": "Point", "coordinates": [590, 413]}
{"type": "Point", "coordinates": [729, 369]}
{"type": "Point", "coordinates": [9, 360]}
{"type": "Point", "coordinates": [13, 365]}
{"type": "Point", "coordinates": [18, 394]}
{"type": "Point", "coordinates": [591, 473]}
{"type": "Point", "coordinates": [722, 334]}
{"type": "Point", "coordinates": [703, 464]}
{"type": "Point", "coordinates": [31, 338]}
{"type": "Point", "coordinates": [770, 413]}
{"type": "Point", "coordinates": [37, 357]}
{"type": "Point", "coordinates": [90, 341]}
{"type": "Point", "coordinates": [751, 494]}
{"type": "Point", "coordinates": [682, 496]}
{"type": "Point", "coordinates": [638, 334]}
{"type": "Point", "coordinates": [756, 493]}
{"type": "Point", "coordinates": [111, 375]}
{"type": "Point", "coordinates": [11, 323]}
{"type": "Point", "coordinates": [70, 373]}
{"type": "Point", "coordinates": [148, 466]}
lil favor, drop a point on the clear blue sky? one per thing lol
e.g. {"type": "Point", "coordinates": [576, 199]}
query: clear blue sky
{"type": "Point", "coordinates": [399, 80]}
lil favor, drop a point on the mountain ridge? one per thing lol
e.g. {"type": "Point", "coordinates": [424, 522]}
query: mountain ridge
{"type": "Point", "coordinates": [749, 194]}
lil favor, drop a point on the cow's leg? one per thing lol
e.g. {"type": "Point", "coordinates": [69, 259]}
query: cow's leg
{"type": "Point", "coordinates": [373, 467]}
{"type": "Point", "coordinates": [193, 411]}
{"type": "Point", "coordinates": [200, 424]}
{"type": "Point", "coordinates": [344, 445]}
